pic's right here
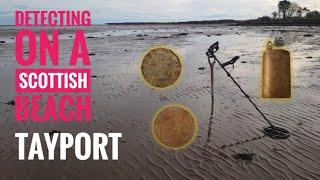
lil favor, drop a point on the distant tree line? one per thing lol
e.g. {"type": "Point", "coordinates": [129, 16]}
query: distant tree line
{"type": "Point", "coordinates": [292, 10]}
{"type": "Point", "coordinates": [288, 14]}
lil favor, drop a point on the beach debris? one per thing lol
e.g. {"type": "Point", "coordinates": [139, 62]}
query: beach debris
{"type": "Point", "coordinates": [282, 31]}
{"type": "Point", "coordinates": [309, 57]}
{"type": "Point", "coordinates": [163, 98]}
{"type": "Point", "coordinates": [244, 62]}
{"type": "Point", "coordinates": [308, 35]}
{"type": "Point", "coordinates": [223, 146]}
{"type": "Point", "coordinates": [162, 37]}
{"type": "Point", "coordinates": [201, 68]}
{"type": "Point", "coordinates": [12, 38]}
{"type": "Point", "coordinates": [91, 37]}
{"type": "Point", "coordinates": [10, 103]}
{"type": "Point", "coordinates": [182, 34]}
{"type": "Point", "coordinates": [91, 54]}
{"type": "Point", "coordinates": [216, 34]}
{"type": "Point", "coordinates": [244, 156]}
{"type": "Point", "coordinates": [109, 35]}
{"type": "Point", "coordinates": [138, 39]}
{"type": "Point", "coordinates": [2, 42]}
{"type": "Point", "coordinates": [179, 34]}
{"type": "Point", "coordinates": [51, 133]}
{"type": "Point", "coordinates": [141, 35]}
{"type": "Point", "coordinates": [115, 172]}
{"type": "Point", "coordinates": [94, 76]}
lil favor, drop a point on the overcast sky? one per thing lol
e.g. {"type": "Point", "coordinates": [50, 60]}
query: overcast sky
{"type": "Point", "coordinates": [152, 10]}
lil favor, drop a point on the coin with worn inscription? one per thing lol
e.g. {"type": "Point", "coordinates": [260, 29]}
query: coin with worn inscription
{"type": "Point", "coordinates": [161, 67]}
{"type": "Point", "coordinates": [174, 126]}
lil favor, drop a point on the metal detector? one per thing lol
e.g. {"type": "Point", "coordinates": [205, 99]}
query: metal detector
{"type": "Point", "coordinates": [271, 131]}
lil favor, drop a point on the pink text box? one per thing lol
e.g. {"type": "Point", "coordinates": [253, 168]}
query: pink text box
{"type": "Point", "coordinates": [44, 75]}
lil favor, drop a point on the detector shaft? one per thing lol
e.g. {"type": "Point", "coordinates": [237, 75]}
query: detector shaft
{"type": "Point", "coordinates": [246, 95]}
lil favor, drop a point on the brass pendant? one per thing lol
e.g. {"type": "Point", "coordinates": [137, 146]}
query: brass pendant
{"type": "Point", "coordinates": [276, 77]}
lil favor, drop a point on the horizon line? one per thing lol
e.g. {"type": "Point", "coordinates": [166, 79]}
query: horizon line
{"type": "Point", "coordinates": [143, 22]}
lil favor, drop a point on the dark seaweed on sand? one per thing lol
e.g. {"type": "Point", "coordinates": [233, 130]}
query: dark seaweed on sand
{"type": "Point", "coordinates": [244, 156]}
{"type": "Point", "coordinates": [10, 103]}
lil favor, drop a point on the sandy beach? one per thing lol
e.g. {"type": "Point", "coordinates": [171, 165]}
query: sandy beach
{"type": "Point", "coordinates": [121, 102]}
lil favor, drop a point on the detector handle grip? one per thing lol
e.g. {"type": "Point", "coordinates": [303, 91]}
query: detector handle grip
{"type": "Point", "coordinates": [231, 62]}
{"type": "Point", "coordinates": [212, 49]}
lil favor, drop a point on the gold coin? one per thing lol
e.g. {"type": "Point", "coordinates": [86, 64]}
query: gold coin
{"type": "Point", "coordinates": [174, 127]}
{"type": "Point", "coordinates": [161, 67]}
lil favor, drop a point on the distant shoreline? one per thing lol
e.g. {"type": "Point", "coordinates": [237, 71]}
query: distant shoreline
{"type": "Point", "coordinates": [227, 21]}
{"type": "Point", "coordinates": [280, 22]}
{"type": "Point", "coordinates": [251, 22]}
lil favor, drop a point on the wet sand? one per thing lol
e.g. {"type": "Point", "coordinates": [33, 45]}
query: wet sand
{"type": "Point", "coordinates": [121, 102]}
